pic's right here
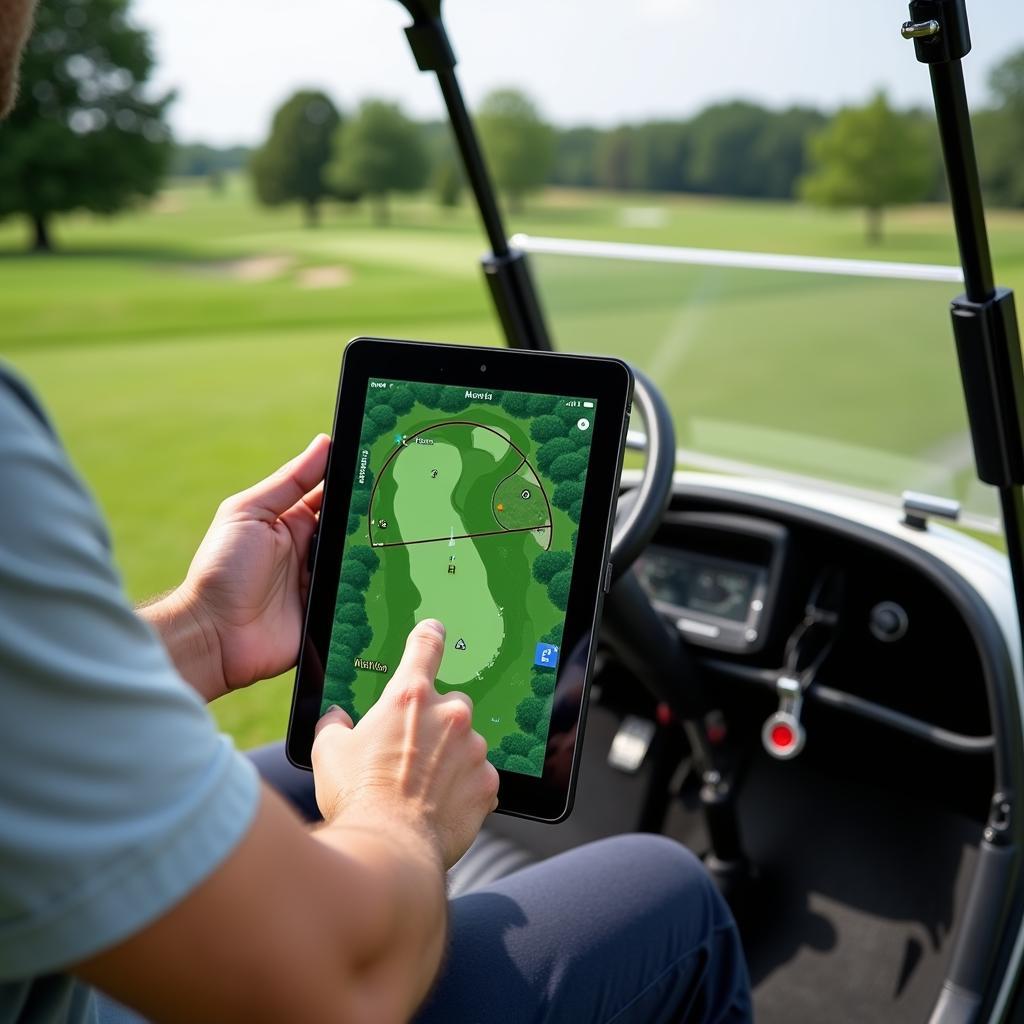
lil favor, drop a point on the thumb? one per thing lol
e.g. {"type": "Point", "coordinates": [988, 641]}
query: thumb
{"type": "Point", "coordinates": [333, 716]}
{"type": "Point", "coordinates": [273, 496]}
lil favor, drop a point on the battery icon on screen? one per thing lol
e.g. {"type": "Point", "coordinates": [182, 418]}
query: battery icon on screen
{"type": "Point", "coordinates": [588, 405]}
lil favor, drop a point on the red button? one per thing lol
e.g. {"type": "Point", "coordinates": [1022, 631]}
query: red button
{"type": "Point", "coordinates": [782, 736]}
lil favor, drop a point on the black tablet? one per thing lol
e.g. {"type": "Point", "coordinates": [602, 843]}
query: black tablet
{"type": "Point", "coordinates": [475, 486]}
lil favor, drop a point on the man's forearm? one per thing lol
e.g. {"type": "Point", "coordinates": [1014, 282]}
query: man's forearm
{"type": "Point", "coordinates": [344, 928]}
{"type": "Point", "coordinates": [404, 943]}
{"type": "Point", "coordinates": [194, 649]}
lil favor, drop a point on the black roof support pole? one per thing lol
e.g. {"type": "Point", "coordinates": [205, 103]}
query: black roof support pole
{"type": "Point", "coordinates": [506, 269]}
{"type": "Point", "coordinates": [988, 351]}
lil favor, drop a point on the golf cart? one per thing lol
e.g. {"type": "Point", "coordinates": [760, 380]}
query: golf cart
{"type": "Point", "coordinates": [813, 683]}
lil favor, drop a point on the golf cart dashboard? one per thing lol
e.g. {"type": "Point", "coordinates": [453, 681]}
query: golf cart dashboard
{"type": "Point", "coordinates": [739, 581]}
{"type": "Point", "coordinates": [716, 576]}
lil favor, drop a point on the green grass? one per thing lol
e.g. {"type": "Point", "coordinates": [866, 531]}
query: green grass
{"type": "Point", "coordinates": [183, 355]}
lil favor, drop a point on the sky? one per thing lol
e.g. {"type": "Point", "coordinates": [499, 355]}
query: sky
{"type": "Point", "coordinates": [582, 61]}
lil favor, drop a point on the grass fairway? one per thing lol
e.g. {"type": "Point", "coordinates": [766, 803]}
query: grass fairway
{"type": "Point", "coordinates": [186, 349]}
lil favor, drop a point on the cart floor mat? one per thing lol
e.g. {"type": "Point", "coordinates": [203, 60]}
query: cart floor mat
{"type": "Point", "coordinates": [850, 915]}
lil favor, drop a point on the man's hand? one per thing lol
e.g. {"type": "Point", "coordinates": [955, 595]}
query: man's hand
{"type": "Point", "coordinates": [412, 760]}
{"type": "Point", "coordinates": [238, 616]}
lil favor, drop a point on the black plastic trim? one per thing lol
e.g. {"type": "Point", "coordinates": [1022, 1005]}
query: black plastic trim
{"type": "Point", "coordinates": [994, 911]}
{"type": "Point", "coordinates": [959, 743]}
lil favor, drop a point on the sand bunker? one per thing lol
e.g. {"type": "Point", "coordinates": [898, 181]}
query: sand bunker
{"type": "Point", "coordinates": [257, 268]}
{"type": "Point", "coordinates": [323, 277]}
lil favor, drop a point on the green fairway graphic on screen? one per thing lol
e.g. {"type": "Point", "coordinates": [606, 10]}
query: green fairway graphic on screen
{"type": "Point", "coordinates": [464, 509]}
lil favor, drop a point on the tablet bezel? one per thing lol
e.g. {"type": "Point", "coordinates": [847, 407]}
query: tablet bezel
{"type": "Point", "coordinates": [609, 382]}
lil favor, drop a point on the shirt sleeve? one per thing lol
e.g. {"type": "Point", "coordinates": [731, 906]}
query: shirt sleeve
{"type": "Point", "coordinates": [117, 795]}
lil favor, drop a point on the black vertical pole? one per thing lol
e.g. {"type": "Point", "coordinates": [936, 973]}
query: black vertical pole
{"type": "Point", "coordinates": [473, 161]}
{"type": "Point", "coordinates": [505, 269]}
{"type": "Point", "coordinates": [957, 140]}
{"type": "Point", "coordinates": [988, 351]}
{"type": "Point", "coordinates": [984, 318]}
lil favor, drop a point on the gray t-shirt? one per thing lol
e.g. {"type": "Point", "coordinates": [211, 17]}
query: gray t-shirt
{"type": "Point", "coordinates": [117, 795]}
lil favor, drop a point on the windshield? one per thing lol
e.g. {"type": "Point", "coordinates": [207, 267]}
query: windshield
{"type": "Point", "coordinates": [843, 371]}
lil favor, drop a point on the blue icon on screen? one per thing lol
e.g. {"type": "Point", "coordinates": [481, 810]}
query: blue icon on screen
{"type": "Point", "coordinates": [546, 656]}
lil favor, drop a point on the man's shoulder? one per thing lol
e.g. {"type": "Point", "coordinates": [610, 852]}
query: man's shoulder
{"type": "Point", "coordinates": [36, 471]}
{"type": "Point", "coordinates": [18, 402]}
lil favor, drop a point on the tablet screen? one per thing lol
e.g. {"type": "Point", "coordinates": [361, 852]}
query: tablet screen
{"type": "Point", "coordinates": [464, 508]}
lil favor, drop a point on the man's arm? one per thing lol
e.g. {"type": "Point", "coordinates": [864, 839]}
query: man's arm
{"type": "Point", "coordinates": [346, 924]}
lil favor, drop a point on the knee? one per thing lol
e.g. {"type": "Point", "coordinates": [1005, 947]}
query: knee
{"type": "Point", "coordinates": [652, 854]}
{"type": "Point", "coordinates": [673, 875]}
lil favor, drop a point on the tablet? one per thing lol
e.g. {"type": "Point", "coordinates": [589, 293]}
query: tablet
{"type": "Point", "coordinates": [475, 486]}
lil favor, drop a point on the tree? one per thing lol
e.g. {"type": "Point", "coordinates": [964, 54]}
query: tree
{"type": "Point", "coordinates": [400, 399]}
{"type": "Point", "coordinates": [541, 405]}
{"type": "Point", "coordinates": [378, 152]}
{"type": "Point", "coordinates": [198, 160]}
{"type": "Point", "coordinates": [653, 156]}
{"type": "Point", "coordinates": [543, 685]}
{"type": "Point", "coordinates": [352, 617]}
{"type": "Point", "coordinates": [516, 403]}
{"type": "Point", "coordinates": [545, 428]}
{"type": "Point", "coordinates": [1007, 81]}
{"type": "Point", "coordinates": [519, 145]}
{"type": "Point", "coordinates": [366, 555]}
{"type": "Point", "coordinates": [575, 160]}
{"type": "Point", "coordinates": [83, 135]}
{"type": "Point", "coordinates": [427, 394]}
{"type": "Point", "coordinates": [724, 140]}
{"type": "Point", "coordinates": [517, 743]}
{"type": "Point", "coordinates": [530, 713]}
{"type": "Point", "coordinates": [384, 417]}
{"type": "Point", "coordinates": [554, 635]}
{"type": "Point", "coordinates": [550, 450]}
{"type": "Point", "coordinates": [780, 150]}
{"type": "Point", "coordinates": [567, 494]}
{"type": "Point", "coordinates": [338, 685]}
{"type": "Point", "coordinates": [452, 400]}
{"type": "Point", "coordinates": [568, 467]}
{"type": "Point", "coordinates": [872, 157]}
{"type": "Point", "coordinates": [1000, 134]}
{"type": "Point", "coordinates": [355, 573]}
{"type": "Point", "coordinates": [347, 635]}
{"type": "Point", "coordinates": [448, 182]}
{"type": "Point", "coordinates": [348, 595]}
{"type": "Point", "coordinates": [547, 563]}
{"type": "Point", "coordinates": [558, 588]}
{"type": "Point", "coordinates": [290, 164]}
{"type": "Point", "coordinates": [616, 159]}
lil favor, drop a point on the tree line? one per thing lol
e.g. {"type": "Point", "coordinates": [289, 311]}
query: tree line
{"type": "Point", "coordinates": [87, 134]}
{"type": "Point", "coordinates": [870, 157]}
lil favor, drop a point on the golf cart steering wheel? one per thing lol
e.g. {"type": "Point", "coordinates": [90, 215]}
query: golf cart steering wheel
{"type": "Point", "coordinates": [640, 509]}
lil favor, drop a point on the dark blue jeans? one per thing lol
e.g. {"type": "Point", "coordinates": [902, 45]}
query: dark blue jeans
{"type": "Point", "coordinates": [627, 929]}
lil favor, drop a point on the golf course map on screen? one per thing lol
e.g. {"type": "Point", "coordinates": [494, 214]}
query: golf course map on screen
{"type": "Point", "coordinates": [464, 508]}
